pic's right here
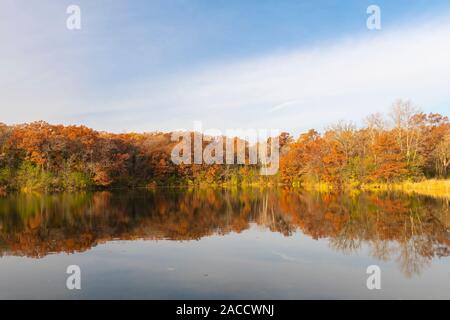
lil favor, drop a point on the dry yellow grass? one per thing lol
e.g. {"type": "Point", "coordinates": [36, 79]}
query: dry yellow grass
{"type": "Point", "coordinates": [432, 187]}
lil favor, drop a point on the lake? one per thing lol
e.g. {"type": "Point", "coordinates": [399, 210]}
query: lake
{"type": "Point", "coordinates": [224, 244]}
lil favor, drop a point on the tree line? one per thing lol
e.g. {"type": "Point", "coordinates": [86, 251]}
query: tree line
{"type": "Point", "coordinates": [405, 145]}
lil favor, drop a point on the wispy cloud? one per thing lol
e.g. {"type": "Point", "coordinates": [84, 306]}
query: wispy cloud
{"type": "Point", "coordinates": [294, 90]}
{"type": "Point", "coordinates": [347, 79]}
{"type": "Point", "coordinates": [285, 105]}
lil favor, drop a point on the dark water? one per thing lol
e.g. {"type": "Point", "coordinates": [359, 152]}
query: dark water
{"type": "Point", "coordinates": [175, 244]}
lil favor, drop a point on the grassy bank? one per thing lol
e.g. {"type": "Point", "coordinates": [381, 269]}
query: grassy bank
{"type": "Point", "coordinates": [431, 187]}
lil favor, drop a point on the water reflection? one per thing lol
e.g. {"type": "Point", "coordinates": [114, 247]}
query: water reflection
{"type": "Point", "coordinates": [409, 229]}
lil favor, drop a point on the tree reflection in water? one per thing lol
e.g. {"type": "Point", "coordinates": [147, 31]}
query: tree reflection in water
{"type": "Point", "coordinates": [408, 228]}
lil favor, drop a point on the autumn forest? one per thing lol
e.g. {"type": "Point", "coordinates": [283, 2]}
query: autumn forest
{"type": "Point", "coordinates": [404, 145]}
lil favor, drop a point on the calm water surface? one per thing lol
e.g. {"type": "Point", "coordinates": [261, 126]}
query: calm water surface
{"type": "Point", "coordinates": [253, 244]}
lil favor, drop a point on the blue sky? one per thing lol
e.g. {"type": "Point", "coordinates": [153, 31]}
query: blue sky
{"type": "Point", "coordinates": [160, 65]}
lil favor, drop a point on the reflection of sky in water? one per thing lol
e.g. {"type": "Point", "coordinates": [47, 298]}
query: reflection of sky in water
{"type": "Point", "coordinates": [253, 264]}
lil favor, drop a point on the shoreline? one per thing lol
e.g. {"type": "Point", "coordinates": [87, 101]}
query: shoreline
{"type": "Point", "coordinates": [429, 187]}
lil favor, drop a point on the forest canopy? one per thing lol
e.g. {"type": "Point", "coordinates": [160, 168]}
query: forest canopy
{"type": "Point", "coordinates": [406, 144]}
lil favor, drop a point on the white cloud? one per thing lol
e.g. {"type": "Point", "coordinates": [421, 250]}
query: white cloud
{"type": "Point", "coordinates": [308, 88]}
{"type": "Point", "coordinates": [296, 90]}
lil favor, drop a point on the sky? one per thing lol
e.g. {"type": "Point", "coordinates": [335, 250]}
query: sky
{"type": "Point", "coordinates": [160, 65]}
